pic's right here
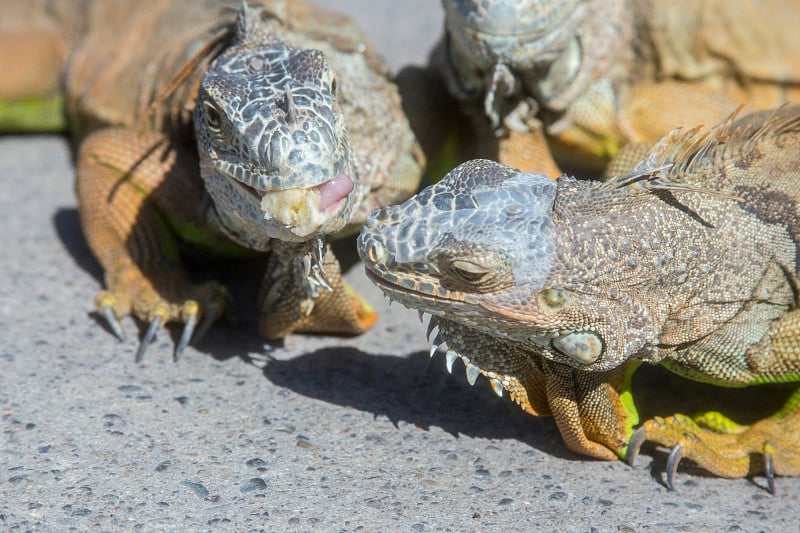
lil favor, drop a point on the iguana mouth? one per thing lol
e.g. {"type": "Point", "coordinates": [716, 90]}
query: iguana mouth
{"type": "Point", "coordinates": [305, 211]}
{"type": "Point", "coordinates": [441, 294]}
{"type": "Point", "coordinates": [332, 192]}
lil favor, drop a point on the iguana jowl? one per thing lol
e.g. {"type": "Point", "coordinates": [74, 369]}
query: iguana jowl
{"type": "Point", "coordinates": [557, 290]}
{"type": "Point", "coordinates": [268, 128]}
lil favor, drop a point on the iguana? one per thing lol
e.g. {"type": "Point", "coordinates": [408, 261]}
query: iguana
{"type": "Point", "coordinates": [585, 77]}
{"type": "Point", "coordinates": [557, 291]}
{"type": "Point", "coordinates": [267, 128]}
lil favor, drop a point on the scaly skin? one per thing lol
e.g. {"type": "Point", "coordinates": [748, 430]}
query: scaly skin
{"type": "Point", "coordinates": [267, 128]}
{"type": "Point", "coordinates": [587, 77]}
{"type": "Point", "coordinates": [558, 290]}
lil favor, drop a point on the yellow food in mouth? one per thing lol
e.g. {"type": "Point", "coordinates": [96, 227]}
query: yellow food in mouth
{"type": "Point", "coordinates": [298, 209]}
{"type": "Point", "coordinates": [305, 211]}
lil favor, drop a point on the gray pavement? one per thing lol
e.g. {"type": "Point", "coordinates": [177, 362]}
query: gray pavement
{"type": "Point", "coordinates": [317, 434]}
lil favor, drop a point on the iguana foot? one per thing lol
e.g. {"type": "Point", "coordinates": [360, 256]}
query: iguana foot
{"type": "Point", "coordinates": [196, 307]}
{"type": "Point", "coordinates": [304, 292]}
{"type": "Point", "coordinates": [725, 448]}
{"type": "Point", "coordinates": [135, 189]}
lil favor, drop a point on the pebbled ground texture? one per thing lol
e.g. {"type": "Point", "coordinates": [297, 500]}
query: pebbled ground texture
{"type": "Point", "coordinates": [319, 433]}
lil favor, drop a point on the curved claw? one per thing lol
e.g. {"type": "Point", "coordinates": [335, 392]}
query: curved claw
{"type": "Point", "coordinates": [769, 467]}
{"type": "Point", "coordinates": [186, 335]}
{"type": "Point", "coordinates": [673, 460]}
{"type": "Point", "coordinates": [637, 439]}
{"type": "Point", "coordinates": [113, 323]}
{"type": "Point", "coordinates": [148, 338]}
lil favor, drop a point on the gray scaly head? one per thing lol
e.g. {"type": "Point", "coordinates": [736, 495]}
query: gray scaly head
{"type": "Point", "coordinates": [524, 259]}
{"type": "Point", "coordinates": [273, 147]}
{"type": "Point", "coordinates": [477, 249]}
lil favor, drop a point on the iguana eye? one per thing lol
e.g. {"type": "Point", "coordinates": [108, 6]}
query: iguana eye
{"type": "Point", "coordinates": [476, 274]}
{"type": "Point", "coordinates": [468, 270]}
{"type": "Point", "coordinates": [213, 117]}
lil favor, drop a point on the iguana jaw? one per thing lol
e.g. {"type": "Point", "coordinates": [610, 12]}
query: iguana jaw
{"type": "Point", "coordinates": [303, 212]}
{"type": "Point", "coordinates": [306, 211]}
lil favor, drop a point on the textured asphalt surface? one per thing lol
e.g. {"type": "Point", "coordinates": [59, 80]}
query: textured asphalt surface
{"type": "Point", "coordinates": [319, 434]}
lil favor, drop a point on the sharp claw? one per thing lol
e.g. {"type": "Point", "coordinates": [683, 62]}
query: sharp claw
{"type": "Point", "coordinates": [769, 467]}
{"type": "Point", "coordinates": [147, 339]}
{"type": "Point", "coordinates": [673, 460]}
{"type": "Point", "coordinates": [637, 439]}
{"type": "Point", "coordinates": [434, 349]}
{"type": "Point", "coordinates": [421, 315]}
{"type": "Point", "coordinates": [113, 323]}
{"type": "Point", "coordinates": [205, 324]}
{"type": "Point", "coordinates": [186, 336]}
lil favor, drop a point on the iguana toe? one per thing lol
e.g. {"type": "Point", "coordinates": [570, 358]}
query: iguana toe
{"type": "Point", "coordinates": [726, 449]}
{"type": "Point", "coordinates": [769, 466]}
{"type": "Point", "coordinates": [674, 459]}
{"type": "Point", "coordinates": [196, 307]}
{"type": "Point", "coordinates": [149, 335]}
{"type": "Point", "coordinates": [191, 313]}
{"type": "Point", "coordinates": [105, 306]}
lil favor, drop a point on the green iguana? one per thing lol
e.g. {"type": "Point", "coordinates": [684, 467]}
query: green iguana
{"type": "Point", "coordinates": [266, 128]}
{"type": "Point", "coordinates": [585, 77]}
{"type": "Point", "coordinates": [557, 291]}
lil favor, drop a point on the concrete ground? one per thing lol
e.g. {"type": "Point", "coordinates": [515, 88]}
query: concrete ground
{"type": "Point", "coordinates": [319, 434]}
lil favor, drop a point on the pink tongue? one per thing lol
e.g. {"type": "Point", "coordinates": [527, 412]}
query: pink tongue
{"type": "Point", "coordinates": [333, 191]}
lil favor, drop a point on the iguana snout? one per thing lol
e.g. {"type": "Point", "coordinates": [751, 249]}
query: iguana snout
{"type": "Point", "coordinates": [481, 238]}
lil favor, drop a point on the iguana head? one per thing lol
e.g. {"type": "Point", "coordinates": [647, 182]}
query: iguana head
{"type": "Point", "coordinates": [273, 147]}
{"type": "Point", "coordinates": [511, 49]}
{"type": "Point", "coordinates": [490, 248]}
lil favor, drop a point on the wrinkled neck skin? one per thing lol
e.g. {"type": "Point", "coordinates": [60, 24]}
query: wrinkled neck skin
{"type": "Point", "coordinates": [525, 57]}
{"type": "Point", "coordinates": [274, 152]}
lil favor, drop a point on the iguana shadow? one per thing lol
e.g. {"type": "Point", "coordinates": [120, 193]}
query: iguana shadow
{"type": "Point", "coordinates": [415, 390]}
{"type": "Point", "coordinates": [67, 224]}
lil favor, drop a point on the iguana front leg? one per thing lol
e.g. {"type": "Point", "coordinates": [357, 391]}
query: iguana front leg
{"type": "Point", "coordinates": [303, 291]}
{"type": "Point", "coordinates": [591, 409]}
{"type": "Point", "coordinates": [132, 187]}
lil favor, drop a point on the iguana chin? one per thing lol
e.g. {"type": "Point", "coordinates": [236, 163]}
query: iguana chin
{"type": "Point", "coordinates": [557, 290]}
{"type": "Point", "coordinates": [270, 127]}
